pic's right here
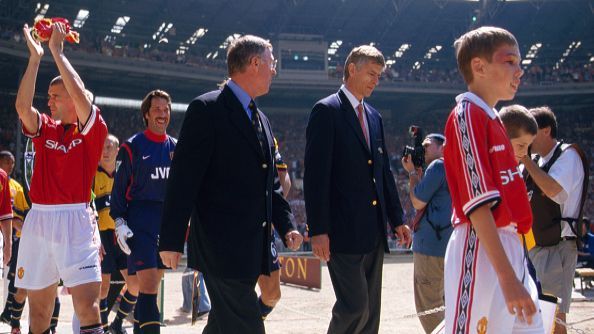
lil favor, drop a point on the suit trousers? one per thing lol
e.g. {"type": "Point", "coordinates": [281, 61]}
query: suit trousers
{"type": "Point", "coordinates": [357, 283]}
{"type": "Point", "coordinates": [234, 306]}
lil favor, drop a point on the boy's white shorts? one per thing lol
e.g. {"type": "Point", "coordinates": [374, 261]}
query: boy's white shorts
{"type": "Point", "coordinates": [473, 297]}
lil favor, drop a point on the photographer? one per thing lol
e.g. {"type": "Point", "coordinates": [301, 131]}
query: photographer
{"type": "Point", "coordinates": [557, 184]}
{"type": "Point", "coordinates": [430, 196]}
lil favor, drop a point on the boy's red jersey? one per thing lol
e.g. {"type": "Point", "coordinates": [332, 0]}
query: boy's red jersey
{"type": "Point", "coordinates": [480, 166]}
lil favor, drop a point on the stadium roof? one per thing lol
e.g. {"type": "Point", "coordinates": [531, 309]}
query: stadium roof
{"type": "Point", "coordinates": [420, 31]}
{"type": "Point", "coordinates": [389, 24]}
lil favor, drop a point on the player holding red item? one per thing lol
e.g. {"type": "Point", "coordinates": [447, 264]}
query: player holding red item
{"type": "Point", "coordinates": [60, 240]}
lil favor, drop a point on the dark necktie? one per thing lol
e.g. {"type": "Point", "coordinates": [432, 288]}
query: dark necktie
{"type": "Point", "coordinates": [257, 125]}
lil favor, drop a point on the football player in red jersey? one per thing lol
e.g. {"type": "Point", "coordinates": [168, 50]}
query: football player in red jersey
{"type": "Point", "coordinates": [60, 240]}
{"type": "Point", "coordinates": [487, 285]}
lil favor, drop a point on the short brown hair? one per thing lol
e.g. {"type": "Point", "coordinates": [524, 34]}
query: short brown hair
{"type": "Point", "coordinates": [481, 42]}
{"type": "Point", "coordinates": [241, 51]}
{"type": "Point", "coordinates": [361, 55]}
{"type": "Point", "coordinates": [544, 118]}
{"type": "Point", "coordinates": [517, 121]}
{"type": "Point", "coordinates": [146, 102]}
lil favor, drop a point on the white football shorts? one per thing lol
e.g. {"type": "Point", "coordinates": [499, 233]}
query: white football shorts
{"type": "Point", "coordinates": [473, 297]}
{"type": "Point", "coordinates": [58, 242]}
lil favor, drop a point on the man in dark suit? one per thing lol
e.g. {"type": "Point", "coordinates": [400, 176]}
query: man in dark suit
{"type": "Point", "coordinates": [350, 194]}
{"type": "Point", "coordinates": [231, 208]}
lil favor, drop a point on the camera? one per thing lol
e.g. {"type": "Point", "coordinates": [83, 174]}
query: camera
{"type": "Point", "coordinates": [416, 150]}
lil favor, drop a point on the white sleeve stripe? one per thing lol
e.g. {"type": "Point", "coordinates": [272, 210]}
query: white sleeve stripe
{"type": "Point", "coordinates": [6, 216]}
{"type": "Point", "coordinates": [36, 134]}
{"type": "Point", "coordinates": [90, 122]}
{"type": "Point", "coordinates": [480, 200]}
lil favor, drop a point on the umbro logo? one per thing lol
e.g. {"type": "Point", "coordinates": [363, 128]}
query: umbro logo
{"type": "Point", "coordinates": [87, 267]}
{"type": "Point", "coordinates": [497, 148]}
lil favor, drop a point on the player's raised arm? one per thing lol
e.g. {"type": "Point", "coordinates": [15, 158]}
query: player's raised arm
{"type": "Point", "coordinates": [72, 81]}
{"type": "Point", "coordinates": [24, 101]}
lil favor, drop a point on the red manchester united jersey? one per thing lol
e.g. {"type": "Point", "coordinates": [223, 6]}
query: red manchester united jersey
{"type": "Point", "coordinates": [66, 158]}
{"type": "Point", "coordinates": [480, 166]}
{"type": "Point", "coordinates": [5, 203]}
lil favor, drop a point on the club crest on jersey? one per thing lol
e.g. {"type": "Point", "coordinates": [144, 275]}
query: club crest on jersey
{"type": "Point", "coordinates": [171, 155]}
{"type": "Point", "coordinates": [481, 326]}
{"type": "Point", "coordinates": [160, 173]}
{"type": "Point", "coordinates": [21, 272]}
{"type": "Point", "coordinates": [54, 145]}
{"type": "Point", "coordinates": [118, 164]}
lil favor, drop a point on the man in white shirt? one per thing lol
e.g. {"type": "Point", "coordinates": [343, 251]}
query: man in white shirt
{"type": "Point", "coordinates": [555, 186]}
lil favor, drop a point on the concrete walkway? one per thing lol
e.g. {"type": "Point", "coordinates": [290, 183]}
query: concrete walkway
{"type": "Point", "coordinates": [303, 311]}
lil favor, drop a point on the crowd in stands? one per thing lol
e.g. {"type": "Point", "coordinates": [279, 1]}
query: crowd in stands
{"type": "Point", "coordinates": [96, 44]}
{"type": "Point", "coordinates": [541, 75]}
{"type": "Point", "coordinates": [8, 128]}
{"type": "Point", "coordinates": [567, 72]}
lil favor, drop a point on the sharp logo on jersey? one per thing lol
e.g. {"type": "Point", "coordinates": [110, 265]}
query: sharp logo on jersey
{"type": "Point", "coordinates": [160, 173]}
{"type": "Point", "coordinates": [497, 148]}
{"type": "Point", "coordinates": [54, 145]}
{"type": "Point", "coordinates": [508, 176]}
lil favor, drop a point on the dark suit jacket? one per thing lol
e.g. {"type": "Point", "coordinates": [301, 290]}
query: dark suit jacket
{"type": "Point", "coordinates": [221, 178]}
{"type": "Point", "coordinates": [350, 192]}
